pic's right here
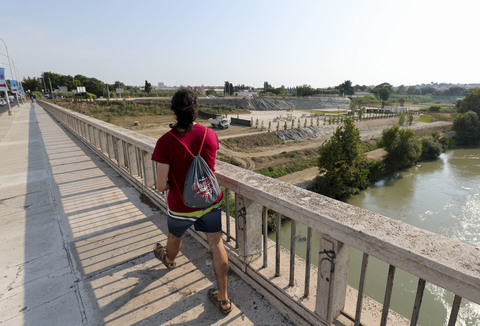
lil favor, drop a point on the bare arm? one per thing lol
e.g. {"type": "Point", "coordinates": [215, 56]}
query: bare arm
{"type": "Point", "coordinates": [162, 177]}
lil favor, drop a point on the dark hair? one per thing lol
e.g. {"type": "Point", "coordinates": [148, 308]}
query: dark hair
{"type": "Point", "coordinates": [185, 106]}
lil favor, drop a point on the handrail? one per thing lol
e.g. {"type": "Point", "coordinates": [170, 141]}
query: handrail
{"type": "Point", "coordinates": [447, 263]}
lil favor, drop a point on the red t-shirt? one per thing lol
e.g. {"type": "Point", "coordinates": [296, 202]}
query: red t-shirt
{"type": "Point", "coordinates": [169, 151]}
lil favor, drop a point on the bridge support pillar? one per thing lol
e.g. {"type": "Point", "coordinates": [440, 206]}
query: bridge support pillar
{"type": "Point", "coordinates": [248, 228]}
{"type": "Point", "coordinates": [333, 260]}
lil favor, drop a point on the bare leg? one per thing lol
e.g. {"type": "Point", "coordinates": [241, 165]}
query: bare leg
{"type": "Point", "coordinates": [174, 244]}
{"type": "Point", "coordinates": [220, 264]}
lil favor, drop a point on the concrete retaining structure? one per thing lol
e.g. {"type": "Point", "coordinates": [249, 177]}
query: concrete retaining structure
{"type": "Point", "coordinates": [274, 104]}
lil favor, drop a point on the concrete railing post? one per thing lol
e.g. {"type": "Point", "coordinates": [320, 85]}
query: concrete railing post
{"type": "Point", "coordinates": [132, 160]}
{"type": "Point", "coordinates": [248, 228]}
{"type": "Point", "coordinates": [103, 141]}
{"type": "Point", "coordinates": [148, 175]}
{"type": "Point", "coordinates": [333, 260]}
{"type": "Point", "coordinates": [121, 154]}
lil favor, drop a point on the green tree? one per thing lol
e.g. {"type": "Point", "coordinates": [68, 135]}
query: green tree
{"type": "Point", "coordinates": [305, 90]}
{"type": "Point", "coordinates": [456, 91]}
{"type": "Point", "coordinates": [92, 85]}
{"type": "Point", "coordinates": [411, 90]}
{"type": "Point", "coordinates": [31, 84]}
{"type": "Point", "coordinates": [403, 147]}
{"type": "Point", "coordinates": [342, 163]}
{"type": "Point", "coordinates": [467, 128]}
{"type": "Point", "coordinates": [428, 90]}
{"type": "Point", "coordinates": [266, 86]}
{"type": "Point", "coordinates": [383, 92]}
{"type": "Point", "coordinates": [118, 84]}
{"type": "Point", "coordinates": [401, 90]}
{"type": "Point", "coordinates": [95, 86]}
{"type": "Point", "coordinates": [211, 91]}
{"type": "Point", "coordinates": [148, 87]}
{"type": "Point", "coordinates": [471, 102]}
{"type": "Point", "coordinates": [346, 88]}
{"type": "Point", "coordinates": [226, 88]}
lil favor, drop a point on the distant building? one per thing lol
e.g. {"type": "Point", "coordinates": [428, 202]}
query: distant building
{"type": "Point", "coordinates": [247, 94]}
{"type": "Point", "coordinates": [396, 109]}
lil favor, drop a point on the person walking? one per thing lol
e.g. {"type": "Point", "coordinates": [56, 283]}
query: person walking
{"type": "Point", "coordinates": [173, 162]}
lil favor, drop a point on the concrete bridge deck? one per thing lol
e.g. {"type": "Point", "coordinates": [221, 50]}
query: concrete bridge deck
{"type": "Point", "coordinates": [76, 242]}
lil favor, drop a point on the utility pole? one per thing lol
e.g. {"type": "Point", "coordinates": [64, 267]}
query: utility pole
{"type": "Point", "coordinates": [51, 90]}
{"type": "Point", "coordinates": [44, 86]}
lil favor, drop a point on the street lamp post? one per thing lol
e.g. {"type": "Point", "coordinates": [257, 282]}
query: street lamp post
{"type": "Point", "coordinates": [6, 93]}
{"type": "Point", "coordinates": [18, 81]}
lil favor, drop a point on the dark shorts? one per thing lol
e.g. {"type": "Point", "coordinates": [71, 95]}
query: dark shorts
{"type": "Point", "coordinates": [208, 223]}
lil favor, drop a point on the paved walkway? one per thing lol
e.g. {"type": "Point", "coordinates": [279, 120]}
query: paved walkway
{"type": "Point", "coordinates": [76, 242]}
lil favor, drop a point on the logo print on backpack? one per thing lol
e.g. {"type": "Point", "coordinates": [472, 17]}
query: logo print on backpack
{"type": "Point", "coordinates": [204, 187]}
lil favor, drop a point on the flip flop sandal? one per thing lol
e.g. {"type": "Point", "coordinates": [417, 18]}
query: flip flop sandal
{"type": "Point", "coordinates": [213, 296]}
{"type": "Point", "coordinates": [161, 254]}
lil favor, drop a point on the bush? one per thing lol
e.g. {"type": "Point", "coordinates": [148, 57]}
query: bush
{"type": "Point", "coordinates": [431, 148]}
{"type": "Point", "coordinates": [403, 147]}
{"type": "Point", "coordinates": [467, 128]}
{"type": "Point", "coordinates": [91, 96]}
{"type": "Point", "coordinates": [435, 108]}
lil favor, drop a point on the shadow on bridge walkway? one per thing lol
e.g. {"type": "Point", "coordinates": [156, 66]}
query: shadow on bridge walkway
{"type": "Point", "coordinates": [77, 242]}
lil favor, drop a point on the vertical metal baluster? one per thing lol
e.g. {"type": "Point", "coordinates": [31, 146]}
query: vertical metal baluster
{"type": "Point", "coordinates": [139, 162]}
{"type": "Point", "coordinates": [308, 262]}
{"type": "Point", "coordinates": [361, 285]}
{"type": "Point", "coordinates": [236, 223]}
{"type": "Point", "coordinates": [454, 312]}
{"type": "Point", "coordinates": [293, 230]}
{"type": "Point", "coordinates": [418, 302]}
{"type": "Point", "coordinates": [227, 213]}
{"type": "Point", "coordinates": [388, 295]}
{"type": "Point", "coordinates": [265, 236]}
{"type": "Point", "coordinates": [125, 153]}
{"type": "Point", "coordinates": [277, 246]}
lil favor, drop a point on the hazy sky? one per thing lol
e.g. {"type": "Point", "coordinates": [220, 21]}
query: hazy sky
{"type": "Point", "coordinates": [320, 43]}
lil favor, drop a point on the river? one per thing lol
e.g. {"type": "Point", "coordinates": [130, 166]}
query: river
{"type": "Point", "coordinates": [441, 196]}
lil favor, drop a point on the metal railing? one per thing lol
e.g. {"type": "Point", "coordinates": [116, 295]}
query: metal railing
{"type": "Point", "coordinates": [307, 294]}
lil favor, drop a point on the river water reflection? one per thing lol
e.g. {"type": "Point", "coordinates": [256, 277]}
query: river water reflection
{"type": "Point", "coordinates": [443, 197]}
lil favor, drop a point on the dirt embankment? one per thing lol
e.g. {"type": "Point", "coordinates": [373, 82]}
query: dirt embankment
{"type": "Point", "coordinates": [262, 151]}
{"type": "Point", "coordinates": [254, 148]}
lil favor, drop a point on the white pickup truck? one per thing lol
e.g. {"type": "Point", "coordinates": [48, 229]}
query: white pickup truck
{"type": "Point", "coordinates": [219, 122]}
